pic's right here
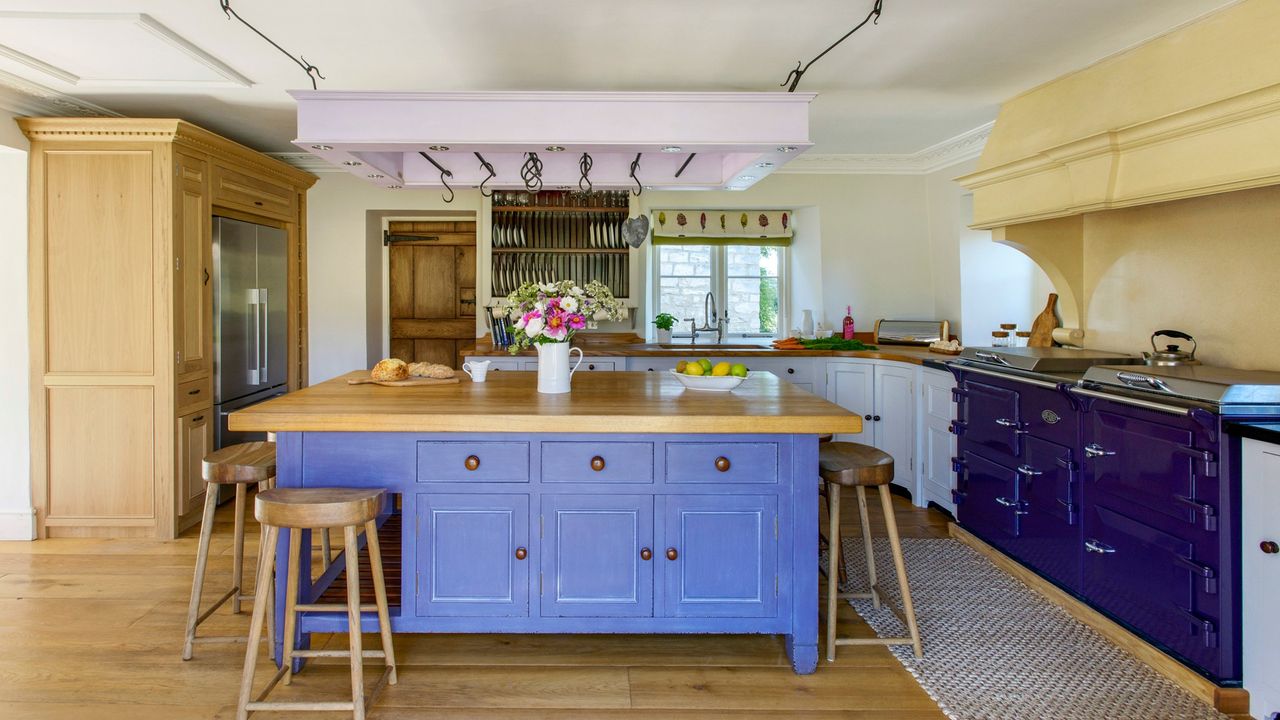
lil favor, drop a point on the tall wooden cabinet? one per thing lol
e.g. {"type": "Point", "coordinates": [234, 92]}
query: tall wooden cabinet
{"type": "Point", "coordinates": [121, 312]}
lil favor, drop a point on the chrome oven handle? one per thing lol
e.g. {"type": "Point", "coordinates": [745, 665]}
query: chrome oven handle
{"type": "Point", "coordinates": [992, 357]}
{"type": "Point", "coordinates": [1094, 546]}
{"type": "Point", "coordinates": [1145, 382]}
{"type": "Point", "coordinates": [1094, 450]}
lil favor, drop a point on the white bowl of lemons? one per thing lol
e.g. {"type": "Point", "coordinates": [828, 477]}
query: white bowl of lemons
{"type": "Point", "coordinates": [703, 375]}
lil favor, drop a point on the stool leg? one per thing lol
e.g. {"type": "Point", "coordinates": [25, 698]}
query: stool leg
{"type": "Point", "coordinates": [291, 601]}
{"type": "Point", "coordinates": [326, 549]}
{"type": "Point", "coordinates": [380, 592]}
{"type": "Point", "coordinates": [202, 560]}
{"type": "Point", "coordinates": [265, 594]}
{"type": "Point", "coordinates": [352, 550]}
{"type": "Point", "coordinates": [896, 544]}
{"type": "Point", "coordinates": [237, 560]}
{"type": "Point", "coordinates": [866, 544]}
{"type": "Point", "coordinates": [255, 630]}
{"type": "Point", "coordinates": [833, 562]}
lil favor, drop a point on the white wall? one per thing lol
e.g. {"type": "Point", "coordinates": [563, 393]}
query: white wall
{"type": "Point", "coordinates": [15, 437]}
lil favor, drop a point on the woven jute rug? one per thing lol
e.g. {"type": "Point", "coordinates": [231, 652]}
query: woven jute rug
{"type": "Point", "coordinates": [994, 649]}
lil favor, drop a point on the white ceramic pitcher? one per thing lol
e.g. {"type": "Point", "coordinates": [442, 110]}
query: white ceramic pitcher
{"type": "Point", "coordinates": [554, 372]}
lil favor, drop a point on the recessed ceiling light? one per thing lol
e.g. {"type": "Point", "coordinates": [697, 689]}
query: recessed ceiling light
{"type": "Point", "coordinates": [321, 147]}
{"type": "Point", "coordinates": [764, 164]}
{"type": "Point", "coordinates": [787, 148]}
{"type": "Point", "coordinates": [745, 178]}
{"type": "Point", "coordinates": [352, 163]}
{"type": "Point", "coordinates": [439, 148]}
{"type": "Point", "coordinates": [555, 148]}
{"type": "Point", "coordinates": [376, 176]}
{"type": "Point", "coordinates": [648, 187]}
{"type": "Point", "coordinates": [394, 187]}
{"type": "Point", "coordinates": [671, 148]}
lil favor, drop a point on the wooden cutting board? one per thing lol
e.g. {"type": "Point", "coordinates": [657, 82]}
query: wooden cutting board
{"type": "Point", "coordinates": [1042, 327]}
{"type": "Point", "coordinates": [404, 383]}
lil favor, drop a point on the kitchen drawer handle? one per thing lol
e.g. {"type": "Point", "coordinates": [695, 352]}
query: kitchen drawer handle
{"type": "Point", "coordinates": [1094, 450]}
{"type": "Point", "coordinates": [1094, 546]}
{"type": "Point", "coordinates": [258, 203]}
{"type": "Point", "coordinates": [472, 462]}
{"type": "Point", "coordinates": [646, 554]}
{"type": "Point", "coordinates": [591, 367]}
{"type": "Point", "coordinates": [597, 463]}
{"type": "Point", "coordinates": [672, 554]}
{"type": "Point", "coordinates": [867, 418]}
{"type": "Point", "coordinates": [1270, 547]}
{"type": "Point", "coordinates": [876, 418]}
{"type": "Point", "coordinates": [194, 392]}
{"type": "Point", "coordinates": [198, 418]}
{"type": "Point", "coordinates": [722, 464]}
{"type": "Point", "coordinates": [521, 553]}
{"type": "Point", "coordinates": [791, 371]}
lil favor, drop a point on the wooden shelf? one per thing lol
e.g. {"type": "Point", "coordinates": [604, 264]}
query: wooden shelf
{"type": "Point", "coordinates": [561, 208]}
{"type": "Point", "coordinates": [551, 251]}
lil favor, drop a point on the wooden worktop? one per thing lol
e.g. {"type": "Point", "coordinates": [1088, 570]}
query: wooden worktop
{"type": "Point", "coordinates": [613, 402]}
{"type": "Point", "coordinates": [897, 353]}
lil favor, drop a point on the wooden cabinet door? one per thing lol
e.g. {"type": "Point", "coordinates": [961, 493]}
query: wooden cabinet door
{"type": "Point", "coordinates": [194, 439]}
{"type": "Point", "coordinates": [719, 556]}
{"type": "Point", "coordinates": [193, 264]}
{"type": "Point", "coordinates": [468, 556]}
{"type": "Point", "coordinates": [432, 291]}
{"type": "Point", "coordinates": [851, 385]}
{"type": "Point", "coordinates": [591, 555]}
{"type": "Point", "coordinates": [894, 420]}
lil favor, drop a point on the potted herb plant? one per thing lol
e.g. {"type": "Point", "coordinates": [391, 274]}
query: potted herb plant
{"type": "Point", "coordinates": [664, 322]}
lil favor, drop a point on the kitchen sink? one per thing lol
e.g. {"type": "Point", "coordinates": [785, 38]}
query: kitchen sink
{"type": "Point", "coordinates": [705, 346]}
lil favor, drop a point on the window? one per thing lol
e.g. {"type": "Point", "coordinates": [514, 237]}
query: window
{"type": "Point", "coordinates": [746, 281]}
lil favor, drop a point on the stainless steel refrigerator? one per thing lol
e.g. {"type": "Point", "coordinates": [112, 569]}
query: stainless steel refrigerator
{"type": "Point", "coordinates": [249, 320]}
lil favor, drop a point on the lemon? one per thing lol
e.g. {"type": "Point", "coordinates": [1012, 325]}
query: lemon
{"type": "Point", "coordinates": [680, 366]}
{"type": "Point", "coordinates": [694, 369]}
{"type": "Point", "coordinates": [706, 365]}
{"type": "Point", "coordinates": [721, 369]}
{"type": "Point", "coordinates": [738, 370]}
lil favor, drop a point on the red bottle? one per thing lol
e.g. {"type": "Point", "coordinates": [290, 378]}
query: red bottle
{"type": "Point", "coordinates": [848, 322]}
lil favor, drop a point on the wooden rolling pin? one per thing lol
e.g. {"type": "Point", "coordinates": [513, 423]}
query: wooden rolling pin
{"type": "Point", "coordinates": [1069, 336]}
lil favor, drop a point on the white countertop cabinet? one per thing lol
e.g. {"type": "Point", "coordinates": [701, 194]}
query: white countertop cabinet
{"type": "Point", "coordinates": [883, 393]}
{"type": "Point", "coordinates": [1260, 572]}
{"type": "Point", "coordinates": [936, 444]}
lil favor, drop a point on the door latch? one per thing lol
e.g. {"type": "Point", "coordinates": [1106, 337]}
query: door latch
{"type": "Point", "coordinates": [1094, 450]}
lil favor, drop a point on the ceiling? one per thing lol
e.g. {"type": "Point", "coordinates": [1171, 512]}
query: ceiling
{"type": "Point", "coordinates": [931, 69]}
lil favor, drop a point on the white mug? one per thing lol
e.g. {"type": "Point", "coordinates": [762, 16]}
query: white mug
{"type": "Point", "coordinates": [476, 369]}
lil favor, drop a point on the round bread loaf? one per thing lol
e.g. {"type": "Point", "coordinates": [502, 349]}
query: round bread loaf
{"type": "Point", "coordinates": [390, 369]}
{"type": "Point", "coordinates": [430, 370]}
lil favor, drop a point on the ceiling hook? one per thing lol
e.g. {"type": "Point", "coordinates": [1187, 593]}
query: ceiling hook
{"type": "Point", "coordinates": [793, 77]}
{"type": "Point", "coordinates": [531, 173]}
{"type": "Point", "coordinates": [443, 174]}
{"type": "Point", "coordinates": [635, 167]}
{"type": "Point", "coordinates": [584, 166]}
{"type": "Point", "coordinates": [312, 71]}
{"type": "Point", "coordinates": [489, 169]}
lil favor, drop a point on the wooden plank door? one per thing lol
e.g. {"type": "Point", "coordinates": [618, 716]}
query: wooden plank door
{"type": "Point", "coordinates": [433, 290]}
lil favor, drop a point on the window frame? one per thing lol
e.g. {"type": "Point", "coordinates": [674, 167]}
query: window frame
{"type": "Point", "coordinates": [720, 288]}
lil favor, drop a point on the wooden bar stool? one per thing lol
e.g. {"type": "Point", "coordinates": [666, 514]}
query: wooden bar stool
{"type": "Point", "coordinates": [845, 464]}
{"type": "Point", "coordinates": [238, 465]}
{"type": "Point", "coordinates": [822, 492]}
{"type": "Point", "coordinates": [298, 509]}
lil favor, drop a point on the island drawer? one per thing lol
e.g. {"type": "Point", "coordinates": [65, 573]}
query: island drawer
{"type": "Point", "coordinates": [473, 461]}
{"type": "Point", "coordinates": [722, 462]}
{"type": "Point", "coordinates": [603, 462]}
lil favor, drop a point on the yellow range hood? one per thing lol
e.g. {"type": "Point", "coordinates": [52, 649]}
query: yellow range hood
{"type": "Point", "coordinates": [1191, 113]}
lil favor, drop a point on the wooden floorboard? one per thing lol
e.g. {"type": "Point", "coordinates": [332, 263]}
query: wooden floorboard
{"type": "Point", "coordinates": [92, 628]}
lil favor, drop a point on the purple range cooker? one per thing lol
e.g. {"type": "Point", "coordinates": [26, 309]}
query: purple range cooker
{"type": "Point", "coordinates": [1115, 481]}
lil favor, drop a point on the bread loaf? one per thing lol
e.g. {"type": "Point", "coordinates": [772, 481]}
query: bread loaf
{"type": "Point", "coordinates": [390, 369]}
{"type": "Point", "coordinates": [430, 370]}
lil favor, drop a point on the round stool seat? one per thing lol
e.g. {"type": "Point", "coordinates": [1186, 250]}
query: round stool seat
{"type": "Point", "coordinates": [251, 462]}
{"type": "Point", "coordinates": [317, 507]}
{"type": "Point", "coordinates": [853, 464]}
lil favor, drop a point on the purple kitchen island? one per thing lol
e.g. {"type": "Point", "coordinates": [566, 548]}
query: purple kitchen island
{"type": "Point", "coordinates": [630, 505]}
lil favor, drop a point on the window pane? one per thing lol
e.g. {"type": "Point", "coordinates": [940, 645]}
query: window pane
{"type": "Point", "coordinates": [753, 289]}
{"type": "Point", "coordinates": [684, 280]}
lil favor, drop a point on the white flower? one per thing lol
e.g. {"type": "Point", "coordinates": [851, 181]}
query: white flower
{"type": "Point", "coordinates": [520, 323]}
{"type": "Point", "coordinates": [548, 288]}
{"type": "Point", "coordinates": [534, 327]}
{"type": "Point", "coordinates": [569, 304]}
{"type": "Point", "coordinates": [576, 290]}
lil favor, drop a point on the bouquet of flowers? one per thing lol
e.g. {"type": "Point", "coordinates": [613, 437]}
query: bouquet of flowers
{"type": "Point", "coordinates": [553, 312]}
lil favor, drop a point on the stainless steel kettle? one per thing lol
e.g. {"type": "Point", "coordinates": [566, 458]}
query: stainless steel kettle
{"type": "Point", "coordinates": [1172, 354]}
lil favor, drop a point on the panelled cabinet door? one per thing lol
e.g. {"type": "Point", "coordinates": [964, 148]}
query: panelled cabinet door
{"type": "Point", "coordinates": [1049, 540]}
{"type": "Point", "coordinates": [719, 555]}
{"type": "Point", "coordinates": [592, 561]}
{"type": "Point", "coordinates": [195, 441]}
{"type": "Point", "coordinates": [989, 505]}
{"type": "Point", "coordinates": [193, 263]}
{"type": "Point", "coordinates": [894, 420]}
{"type": "Point", "coordinates": [851, 385]}
{"type": "Point", "coordinates": [992, 416]}
{"type": "Point", "coordinates": [937, 443]}
{"type": "Point", "coordinates": [469, 555]}
{"type": "Point", "coordinates": [1260, 570]}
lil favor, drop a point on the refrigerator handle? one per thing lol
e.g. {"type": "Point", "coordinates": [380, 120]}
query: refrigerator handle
{"type": "Point", "coordinates": [254, 367]}
{"type": "Point", "coordinates": [265, 339]}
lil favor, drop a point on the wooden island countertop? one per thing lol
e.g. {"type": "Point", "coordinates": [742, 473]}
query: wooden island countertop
{"type": "Point", "coordinates": [613, 402]}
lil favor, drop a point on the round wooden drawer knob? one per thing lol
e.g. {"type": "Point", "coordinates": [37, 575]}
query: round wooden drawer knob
{"type": "Point", "coordinates": [521, 553]}
{"type": "Point", "coordinates": [646, 554]}
{"type": "Point", "coordinates": [597, 463]}
{"type": "Point", "coordinates": [722, 464]}
{"type": "Point", "coordinates": [672, 554]}
{"type": "Point", "coordinates": [472, 462]}
{"type": "Point", "coordinates": [1269, 547]}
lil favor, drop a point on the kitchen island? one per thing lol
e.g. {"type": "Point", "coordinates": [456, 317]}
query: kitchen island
{"type": "Point", "coordinates": [630, 505]}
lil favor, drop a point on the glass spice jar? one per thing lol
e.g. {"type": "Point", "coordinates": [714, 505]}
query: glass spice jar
{"type": "Point", "coordinates": [1022, 338]}
{"type": "Point", "coordinates": [1000, 338]}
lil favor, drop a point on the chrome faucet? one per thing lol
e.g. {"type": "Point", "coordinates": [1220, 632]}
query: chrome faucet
{"type": "Point", "coordinates": [709, 315]}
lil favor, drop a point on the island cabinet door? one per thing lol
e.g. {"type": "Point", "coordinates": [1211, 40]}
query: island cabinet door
{"type": "Point", "coordinates": [851, 385]}
{"type": "Point", "coordinates": [719, 556]}
{"type": "Point", "coordinates": [597, 556]}
{"type": "Point", "coordinates": [472, 555]}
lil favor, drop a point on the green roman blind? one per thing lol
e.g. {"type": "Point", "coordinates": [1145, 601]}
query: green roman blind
{"type": "Point", "coordinates": [722, 227]}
